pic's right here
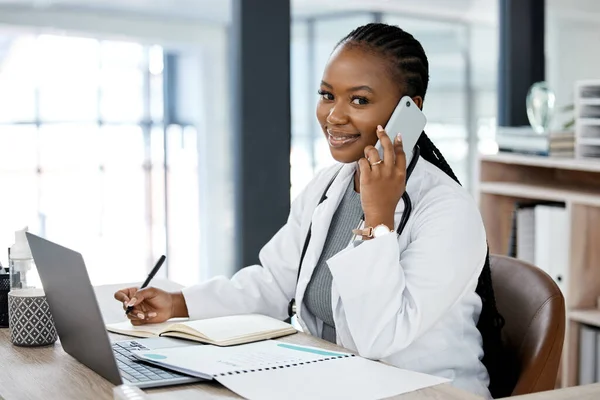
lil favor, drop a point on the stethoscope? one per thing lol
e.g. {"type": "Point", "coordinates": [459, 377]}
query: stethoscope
{"type": "Point", "coordinates": [401, 225]}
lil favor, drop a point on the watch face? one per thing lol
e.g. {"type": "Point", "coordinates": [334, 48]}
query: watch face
{"type": "Point", "coordinates": [380, 230]}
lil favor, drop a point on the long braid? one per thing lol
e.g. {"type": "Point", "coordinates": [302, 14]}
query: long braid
{"type": "Point", "coordinates": [409, 65]}
{"type": "Point", "coordinates": [433, 153]}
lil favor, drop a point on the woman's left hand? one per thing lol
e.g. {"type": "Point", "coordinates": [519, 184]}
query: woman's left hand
{"type": "Point", "coordinates": [382, 182]}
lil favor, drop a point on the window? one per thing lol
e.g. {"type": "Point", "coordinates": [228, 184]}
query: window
{"type": "Point", "coordinates": [183, 204]}
{"type": "Point", "coordinates": [82, 155]}
{"type": "Point", "coordinates": [68, 77]}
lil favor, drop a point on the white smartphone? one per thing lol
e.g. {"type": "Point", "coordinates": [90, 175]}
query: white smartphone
{"type": "Point", "coordinates": [409, 120]}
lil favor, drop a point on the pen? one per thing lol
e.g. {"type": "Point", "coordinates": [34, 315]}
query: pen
{"type": "Point", "coordinates": [159, 263]}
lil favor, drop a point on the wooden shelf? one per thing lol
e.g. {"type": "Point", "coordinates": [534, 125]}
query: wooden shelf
{"type": "Point", "coordinates": [541, 192]}
{"type": "Point", "coordinates": [506, 179]}
{"type": "Point", "coordinates": [589, 165]}
{"type": "Point", "coordinates": [589, 317]}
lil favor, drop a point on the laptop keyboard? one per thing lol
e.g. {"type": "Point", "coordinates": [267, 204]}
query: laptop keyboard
{"type": "Point", "coordinates": [134, 370]}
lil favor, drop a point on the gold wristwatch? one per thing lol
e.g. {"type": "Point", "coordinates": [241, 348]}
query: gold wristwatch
{"type": "Point", "coordinates": [371, 232]}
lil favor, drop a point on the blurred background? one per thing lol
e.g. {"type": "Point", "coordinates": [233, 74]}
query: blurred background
{"type": "Point", "coordinates": [120, 134]}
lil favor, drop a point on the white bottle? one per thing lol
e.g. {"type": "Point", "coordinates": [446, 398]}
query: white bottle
{"type": "Point", "coordinates": [23, 273]}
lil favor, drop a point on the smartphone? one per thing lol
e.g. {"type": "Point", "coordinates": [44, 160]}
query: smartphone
{"type": "Point", "coordinates": [409, 120]}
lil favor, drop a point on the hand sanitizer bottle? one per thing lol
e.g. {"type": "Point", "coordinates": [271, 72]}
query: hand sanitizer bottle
{"type": "Point", "coordinates": [23, 273]}
{"type": "Point", "coordinates": [29, 318]}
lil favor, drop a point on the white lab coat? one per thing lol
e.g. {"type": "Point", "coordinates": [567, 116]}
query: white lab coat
{"type": "Point", "coordinates": [409, 300]}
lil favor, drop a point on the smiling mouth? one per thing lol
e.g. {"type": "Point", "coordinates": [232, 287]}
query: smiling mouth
{"type": "Point", "coordinates": [339, 140]}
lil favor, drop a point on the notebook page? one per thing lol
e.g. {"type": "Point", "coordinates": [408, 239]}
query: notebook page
{"type": "Point", "coordinates": [341, 378]}
{"type": "Point", "coordinates": [126, 327]}
{"type": "Point", "coordinates": [214, 360]}
{"type": "Point", "coordinates": [224, 328]}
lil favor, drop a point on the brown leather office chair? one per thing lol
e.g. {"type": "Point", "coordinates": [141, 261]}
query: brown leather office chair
{"type": "Point", "coordinates": [534, 311]}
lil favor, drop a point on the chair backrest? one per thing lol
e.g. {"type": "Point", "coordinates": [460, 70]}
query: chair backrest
{"type": "Point", "coordinates": [534, 311]}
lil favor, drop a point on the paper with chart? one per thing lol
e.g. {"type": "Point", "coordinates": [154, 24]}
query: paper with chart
{"type": "Point", "coordinates": [209, 361]}
{"type": "Point", "coordinates": [335, 379]}
{"type": "Point", "coordinates": [273, 370]}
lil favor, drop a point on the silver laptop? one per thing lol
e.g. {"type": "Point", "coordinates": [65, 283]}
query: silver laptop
{"type": "Point", "coordinates": [80, 326]}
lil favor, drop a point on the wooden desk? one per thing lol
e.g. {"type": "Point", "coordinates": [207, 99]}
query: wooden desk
{"type": "Point", "coordinates": [586, 392]}
{"type": "Point", "coordinates": [50, 373]}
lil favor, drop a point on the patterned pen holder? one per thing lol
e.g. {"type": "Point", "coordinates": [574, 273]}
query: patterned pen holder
{"type": "Point", "coordinates": [4, 289]}
{"type": "Point", "coordinates": [30, 320]}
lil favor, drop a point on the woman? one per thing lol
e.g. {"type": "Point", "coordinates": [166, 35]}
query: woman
{"type": "Point", "coordinates": [414, 300]}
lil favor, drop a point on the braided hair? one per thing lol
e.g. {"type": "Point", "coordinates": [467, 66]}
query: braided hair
{"type": "Point", "coordinates": [408, 64]}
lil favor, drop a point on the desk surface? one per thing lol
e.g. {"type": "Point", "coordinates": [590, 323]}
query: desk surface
{"type": "Point", "coordinates": [50, 373]}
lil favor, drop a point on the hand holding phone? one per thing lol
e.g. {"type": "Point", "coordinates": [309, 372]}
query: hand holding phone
{"type": "Point", "coordinates": [408, 120]}
{"type": "Point", "coordinates": [383, 183]}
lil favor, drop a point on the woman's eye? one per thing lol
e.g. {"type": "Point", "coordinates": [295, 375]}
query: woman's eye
{"type": "Point", "coordinates": [360, 101]}
{"type": "Point", "coordinates": [325, 95]}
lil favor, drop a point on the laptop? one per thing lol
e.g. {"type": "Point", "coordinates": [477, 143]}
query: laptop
{"type": "Point", "coordinates": [80, 325]}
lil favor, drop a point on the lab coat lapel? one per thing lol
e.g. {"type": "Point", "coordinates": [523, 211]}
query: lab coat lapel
{"type": "Point", "coordinates": [413, 188]}
{"type": "Point", "coordinates": [321, 220]}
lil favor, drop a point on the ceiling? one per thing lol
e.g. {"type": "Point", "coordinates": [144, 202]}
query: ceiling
{"type": "Point", "coordinates": [475, 10]}
{"type": "Point", "coordinates": [220, 10]}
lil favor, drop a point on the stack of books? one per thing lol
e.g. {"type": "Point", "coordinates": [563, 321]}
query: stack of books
{"type": "Point", "coordinates": [587, 118]}
{"type": "Point", "coordinates": [525, 140]}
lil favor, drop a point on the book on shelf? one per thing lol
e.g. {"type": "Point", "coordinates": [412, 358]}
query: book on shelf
{"type": "Point", "coordinates": [525, 232]}
{"type": "Point", "coordinates": [540, 236]}
{"type": "Point", "coordinates": [589, 354]}
{"type": "Point", "coordinates": [525, 140]}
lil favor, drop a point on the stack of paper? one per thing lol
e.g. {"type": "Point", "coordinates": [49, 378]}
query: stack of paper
{"type": "Point", "coordinates": [275, 370]}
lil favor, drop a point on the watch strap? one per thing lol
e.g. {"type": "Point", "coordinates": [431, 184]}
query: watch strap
{"type": "Point", "coordinates": [369, 231]}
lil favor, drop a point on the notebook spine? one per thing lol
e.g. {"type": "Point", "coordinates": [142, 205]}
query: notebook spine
{"type": "Point", "coordinates": [247, 371]}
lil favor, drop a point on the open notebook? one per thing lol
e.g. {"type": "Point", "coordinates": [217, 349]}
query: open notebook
{"type": "Point", "coordinates": [276, 370]}
{"type": "Point", "coordinates": [221, 331]}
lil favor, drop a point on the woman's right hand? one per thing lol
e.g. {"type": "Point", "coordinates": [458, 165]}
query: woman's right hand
{"type": "Point", "coordinates": [152, 305]}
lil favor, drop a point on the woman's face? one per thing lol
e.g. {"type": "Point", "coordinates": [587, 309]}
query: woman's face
{"type": "Point", "coordinates": [357, 93]}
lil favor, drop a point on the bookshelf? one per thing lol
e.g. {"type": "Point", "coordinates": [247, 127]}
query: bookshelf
{"type": "Point", "coordinates": [509, 178]}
